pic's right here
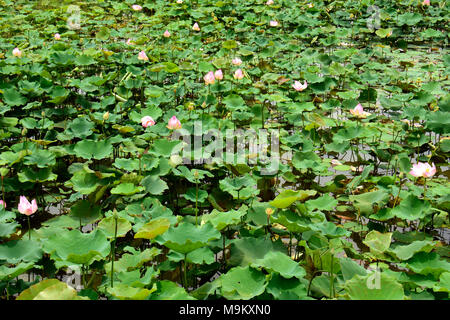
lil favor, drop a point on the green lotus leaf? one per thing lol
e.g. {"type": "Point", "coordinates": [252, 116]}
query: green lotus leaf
{"type": "Point", "coordinates": [246, 250]}
{"type": "Point", "coordinates": [153, 229]}
{"type": "Point", "coordinates": [221, 220]}
{"type": "Point", "coordinates": [126, 189]}
{"type": "Point", "coordinates": [202, 255]}
{"type": "Point", "coordinates": [428, 263]}
{"type": "Point", "coordinates": [165, 147]}
{"type": "Point", "coordinates": [350, 268]}
{"type": "Point", "coordinates": [242, 283]}
{"type": "Point", "coordinates": [154, 185]}
{"type": "Point", "coordinates": [444, 283]}
{"type": "Point", "coordinates": [134, 279]}
{"type": "Point", "coordinates": [49, 289]}
{"type": "Point", "coordinates": [6, 229]}
{"type": "Point", "coordinates": [10, 273]}
{"type": "Point", "coordinates": [411, 208]}
{"type": "Point", "coordinates": [38, 175]}
{"type": "Point", "coordinates": [193, 196]}
{"type": "Point", "coordinates": [41, 158]}
{"type": "Point", "coordinates": [292, 221]}
{"type": "Point", "coordinates": [288, 197]}
{"type": "Point", "coordinates": [13, 98]}
{"type": "Point", "coordinates": [408, 251]}
{"type": "Point", "coordinates": [287, 289]}
{"type": "Point", "coordinates": [77, 247]}
{"type": "Point", "coordinates": [89, 149]}
{"type": "Point", "coordinates": [80, 128]}
{"type": "Point", "coordinates": [108, 226]}
{"type": "Point", "coordinates": [276, 261]}
{"type": "Point", "coordinates": [85, 212]}
{"type": "Point", "coordinates": [125, 292]}
{"type": "Point", "coordinates": [365, 202]}
{"type": "Point", "coordinates": [234, 102]}
{"type": "Point", "coordinates": [133, 260]}
{"type": "Point", "coordinates": [16, 251]}
{"type": "Point", "coordinates": [378, 242]}
{"type": "Point", "coordinates": [375, 286]}
{"type": "Point", "coordinates": [188, 237]}
{"type": "Point", "coordinates": [127, 164]}
{"type": "Point", "coordinates": [85, 182]}
{"type": "Point", "coordinates": [168, 290]}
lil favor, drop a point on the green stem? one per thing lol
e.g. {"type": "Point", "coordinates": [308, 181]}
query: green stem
{"type": "Point", "coordinates": [29, 228]}
{"type": "Point", "coordinates": [113, 252]}
{"type": "Point", "coordinates": [196, 202]}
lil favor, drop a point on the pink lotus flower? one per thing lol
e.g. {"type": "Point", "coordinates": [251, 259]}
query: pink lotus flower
{"type": "Point", "coordinates": [2, 204]}
{"type": "Point", "coordinates": [167, 34]}
{"type": "Point", "coordinates": [196, 27]}
{"type": "Point", "coordinates": [238, 74]}
{"type": "Point", "coordinates": [27, 208]}
{"type": "Point", "coordinates": [209, 78]}
{"type": "Point", "coordinates": [218, 74]}
{"type": "Point", "coordinates": [423, 169]}
{"type": "Point", "coordinates": [300, 87]}
{"type": "Point", "coordinates": [359, 112]}
{"type": "Point", "coordinates": [174, 123]}
{"type": "Point", "coordinates": [57, 36]}
{"type": "Point", "coordinates": [179, 1]}
{"type": "Point", "coordinates": [142, 56]}
{"type": "Point", "coordinates": [273, 23]}
{"type": "Point", "coordinates": [269, 2]}
{"type": "Point", "coordinates": [335, 162]}
{"type": "Point", "coordinates": [236, 61]}
{"type": "Point", "coordinates": [136, 7]}
{"type": "Point", "coordinates": [129, 42]}
{"type": "Point", "coordinates": [147, 121]}
{"type": "Point", "coordinates": [426, 2]}
{"type": "Point", "coordinates": [17, 53]}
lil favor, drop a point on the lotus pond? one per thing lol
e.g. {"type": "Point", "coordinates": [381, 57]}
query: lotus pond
{"type": "Point", "coordinates": [224, 149]}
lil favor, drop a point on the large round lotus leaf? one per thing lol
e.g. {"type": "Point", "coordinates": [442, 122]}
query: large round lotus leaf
{"type": "Point", "coordinates": [89, 149]}
{"type": "Point", "coordinates": [85, 182]}
{"type": "Point", "coordinates": [330, 230]}
{"type": "Point", "coordinates": [444, 283]}
{"type": "Point", "coordinates": [7, 274]}
{"type": "Point", "coordinates": [324, 203]}
{"type": "Point", "coordinates": [428, 263]}
{"type": "Point", "coordinates": [20, 250]}
{"type": "Point", "coordinates": [125, 292]}
{"type": "Point", "coordinates": [202, 255]}
{"type": "Point", "coordinates": [77, 247]}
{"type": "Point", "coordinates": [287, 289]}
{"type": "Point", "coordinates": [49, 289]}
{"type": "Point", "coordinates": [153, 228]}
{"type": "Point", "coordinates": [276, 261]}
{"type": "Point", "coordinates": [247, 250]}
{"type": "Point", "coordinates": [40, 158]}
{"type": "Point", "coordinates": [134, 279]}
{"type": "Point", "coordinates": [168, 290]}
{"type": "Point", "coordinates": [242, 283]}
{"type": "Point", "coordinates": [378, 242]}
{"type": "Point", "coordinates": [108, 226]}
{"type": "Point", "coordinates": [292, 221]}
{"type": "Point", "coordinates": [365, 202]}
{"type": "Point", "coordinates": [375, 286]}
{"type": "Point", "coordinates": [154, 185]}
{"type": "Point", "coordinates": [288, 197]}
{"type": "Point", "coordinates": [134, 260]}
{"type": "Point", "coordinates": [406, 252]}
{"type": "Point", "coordinates": [6, 229]}
{"type": "Point", "coordinates": [411, 208]}
{"type": "Point", "coordinates": [188, 237]}
{"type": "Point", "coordinates": [80, 128]}
{"type": "Point", "coordinates": [221, 220]}
{"type": "Point", "coordinates": [85, 212]}
{"type": "Point", "coordinates": [126, 189]}
{"type": "Point", "coordinates": [38, 175]}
